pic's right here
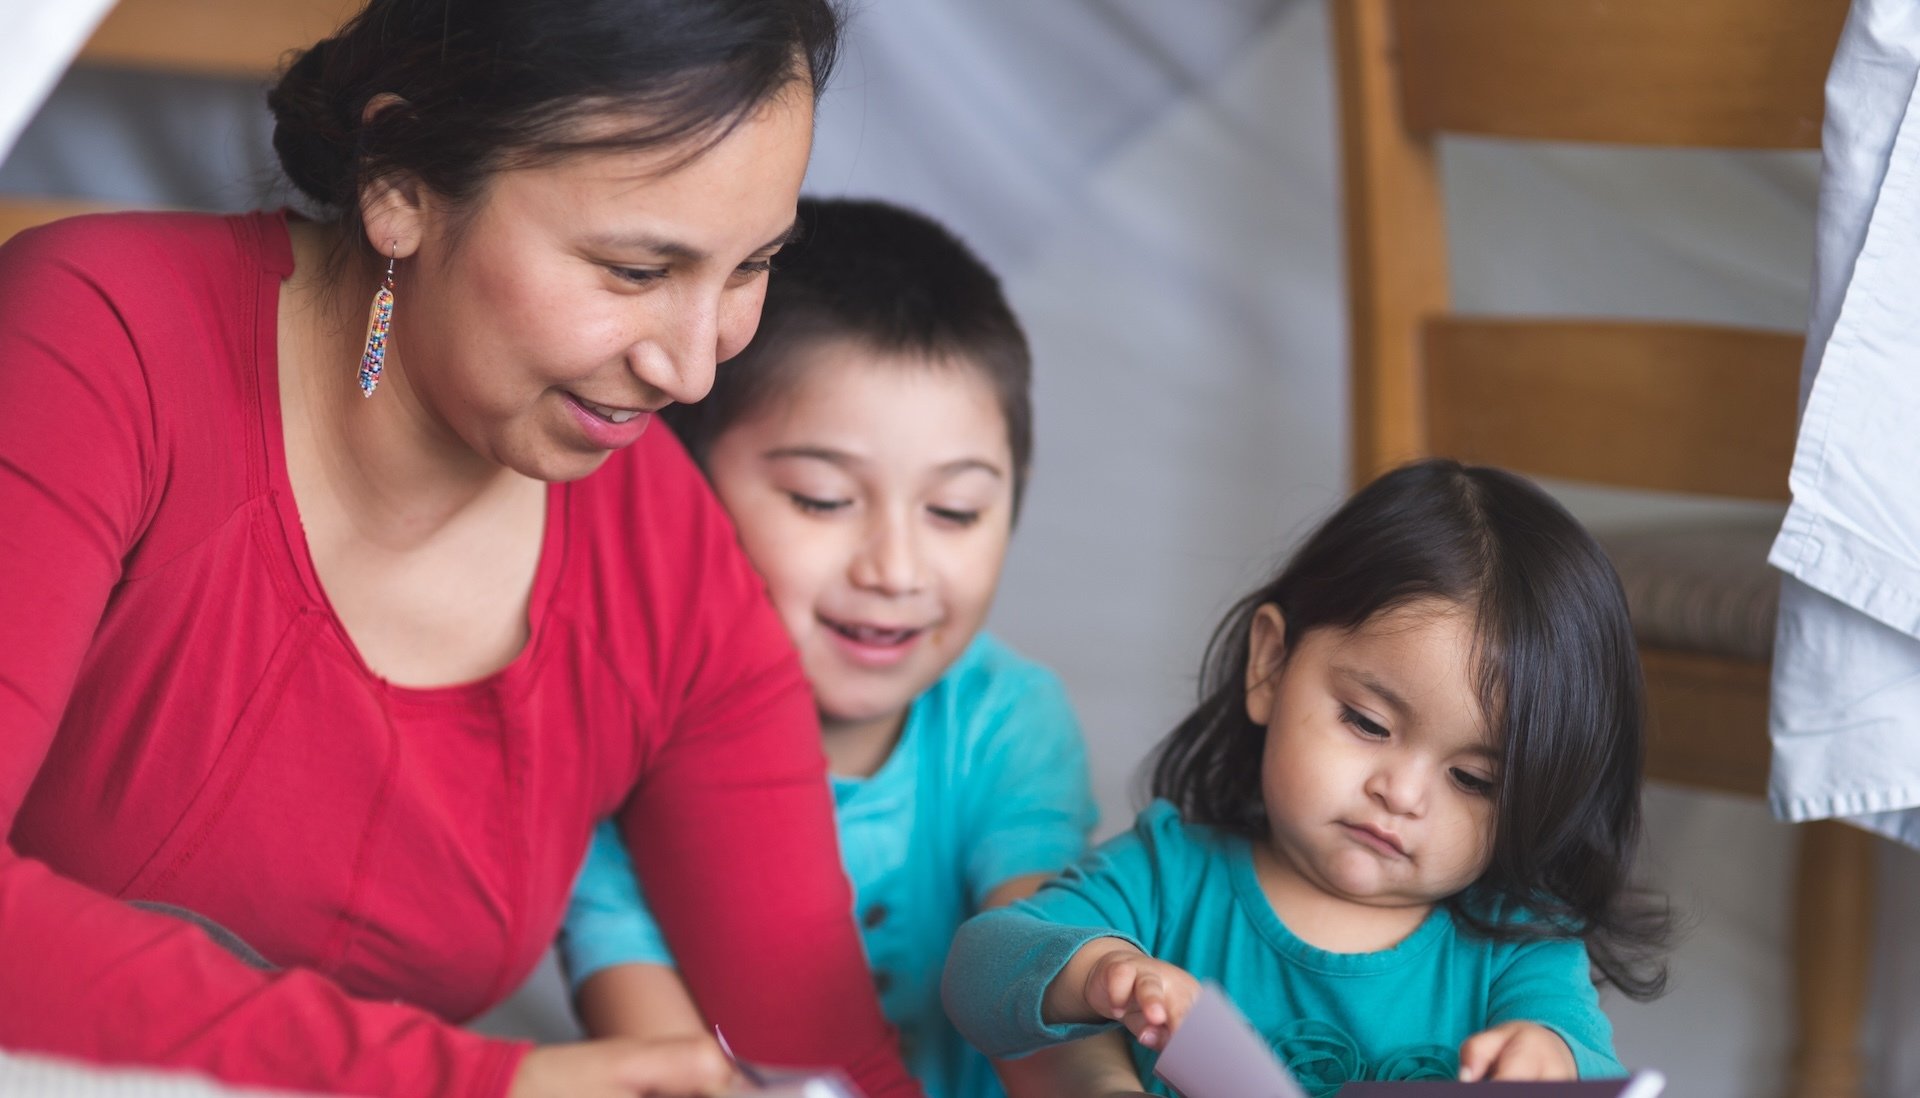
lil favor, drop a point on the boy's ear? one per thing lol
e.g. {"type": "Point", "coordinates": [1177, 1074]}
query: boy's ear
{"type": "Point", "coordinates": [1266, 651]}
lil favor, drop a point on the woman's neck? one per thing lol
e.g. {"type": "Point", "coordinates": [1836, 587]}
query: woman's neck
{"type": "Point", "coordinates": [389, 459]}
{"type": "Point", "coordinates": [1327, 921]}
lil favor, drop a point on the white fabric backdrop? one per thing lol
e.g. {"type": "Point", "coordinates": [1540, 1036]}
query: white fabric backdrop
{"type": "Point", "coordinates": [1157, 184]}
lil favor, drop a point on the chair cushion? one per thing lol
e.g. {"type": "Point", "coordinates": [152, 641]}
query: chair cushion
{"type": "Point", "coordinates": [1702, 586]}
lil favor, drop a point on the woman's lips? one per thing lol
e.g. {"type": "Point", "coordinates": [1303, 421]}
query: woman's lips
{"type": "Point", "coordinates": [608, 428]}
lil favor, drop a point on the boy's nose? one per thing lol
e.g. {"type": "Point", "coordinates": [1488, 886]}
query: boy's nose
{"type": "Point", "coordinates": [890, 561]}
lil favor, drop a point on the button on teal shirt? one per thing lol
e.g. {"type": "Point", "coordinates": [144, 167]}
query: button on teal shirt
{"type": "Point", "coordinates": [1188, 895]}
{"type": "Point", "coordinates": [988, 783]}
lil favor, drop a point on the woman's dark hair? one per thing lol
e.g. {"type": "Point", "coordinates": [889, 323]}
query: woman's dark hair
{"type": "Point", "coordinates": [487, 84]}
{"type": "Point", "coordinates": [892, 281]}
{"type": "Point", "coordinates": [1558, 676]}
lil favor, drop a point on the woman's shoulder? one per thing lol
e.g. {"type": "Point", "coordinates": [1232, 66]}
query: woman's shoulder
{"type": "Point", "coordinates": [130, 248]}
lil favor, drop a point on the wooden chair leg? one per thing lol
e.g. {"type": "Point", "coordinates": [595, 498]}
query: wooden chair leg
{"type": "Point", "coordinates": [1832, 945]}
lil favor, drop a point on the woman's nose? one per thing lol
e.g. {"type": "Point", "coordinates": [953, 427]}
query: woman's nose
{"type": "Point", "coordinates": [680, 359]}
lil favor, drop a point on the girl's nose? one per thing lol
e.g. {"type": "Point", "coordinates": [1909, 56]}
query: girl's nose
{"type": "Point", "coordinates": [1398, 787]}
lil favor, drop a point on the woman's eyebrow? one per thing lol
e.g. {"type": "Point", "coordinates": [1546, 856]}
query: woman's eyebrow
{"type": "Point", "coordinates": [678, 250]}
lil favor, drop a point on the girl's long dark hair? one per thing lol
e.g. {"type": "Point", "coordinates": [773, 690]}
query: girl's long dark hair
{"type": "Point", "coordinates": [1558, 675]}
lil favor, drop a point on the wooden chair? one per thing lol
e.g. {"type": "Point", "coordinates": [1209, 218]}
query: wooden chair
{"type": "Point", "coordinates": [1660, 406]}
{"type": "Point", "coordinates": [218, 38]}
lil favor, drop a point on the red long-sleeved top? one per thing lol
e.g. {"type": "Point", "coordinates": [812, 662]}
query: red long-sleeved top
{"type": "Point", "coordinates": [183, 719]}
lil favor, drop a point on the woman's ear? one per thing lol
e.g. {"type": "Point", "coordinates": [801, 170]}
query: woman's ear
{"type": "Point", "coordinates": [1266, 651]}
{"type": "Point", "coordinates": [393, 208]}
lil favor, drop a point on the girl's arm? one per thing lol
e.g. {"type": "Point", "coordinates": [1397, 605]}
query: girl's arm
{"type": "Point", "coordinates": [1017, 977]}
{"type": "Point", "coordinates": [1544, 991]}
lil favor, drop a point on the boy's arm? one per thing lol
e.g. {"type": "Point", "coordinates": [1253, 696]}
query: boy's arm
{"type": "Point", "coordinates": [620, 968]}
{"type": "Point", "coordinates": [1030, 796]}
{"type": "Point", "coordinates": [649, 1001]}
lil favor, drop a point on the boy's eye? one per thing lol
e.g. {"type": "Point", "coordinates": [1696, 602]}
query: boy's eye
{"type": "Point", "coordinates": [813, 505]}
{"type": "Point", "coordinates": [1471, 782]}
{"type": "Point", "coordinates": [954, 515]}
{"type": "Point", "coordinates": [1361, 724]}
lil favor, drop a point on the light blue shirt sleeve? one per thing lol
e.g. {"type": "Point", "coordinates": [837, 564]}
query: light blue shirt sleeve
{"type": "Point", "coordinates": [1549, 983]}
{"type": "Point", "coordinates": [607, 920]}
{"type": "Point", "coordinates": [1031, 801]}
{"type": "Point", "coordinates": [1003, 960]}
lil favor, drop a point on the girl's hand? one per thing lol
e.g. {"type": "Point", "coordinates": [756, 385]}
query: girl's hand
{"type": "Point", "coordinates": [624, 1067]}
{"type": "Point", "coordinates": [1149, 997]}
{"type": "Point", "coordinates": [1517, 1050]}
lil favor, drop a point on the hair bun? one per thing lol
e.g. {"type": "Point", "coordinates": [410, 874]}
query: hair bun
{"type": "Point", "coordinates": [310, 130]}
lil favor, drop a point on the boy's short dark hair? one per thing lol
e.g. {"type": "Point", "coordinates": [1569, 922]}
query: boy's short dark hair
{"type": "Point", "coordinates": [887, 277]}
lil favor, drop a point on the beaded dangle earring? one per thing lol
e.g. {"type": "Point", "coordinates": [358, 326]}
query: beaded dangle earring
{"type": "Point", "coordinates": [379, 318]}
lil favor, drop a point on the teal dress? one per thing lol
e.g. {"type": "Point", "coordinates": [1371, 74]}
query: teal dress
{"type": "Point", "coordinates": [988, 783]}
{"type": "Point", "coordinates": [1188, 895]}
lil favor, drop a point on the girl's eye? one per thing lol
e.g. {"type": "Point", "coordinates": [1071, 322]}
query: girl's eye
{"type": "Point", "coordinates": [954, 515]}
{"type": "Point", "coordinates": [815, 506]}
{"type": "Point", "coordinates": [753, 268]}
{"type": "Point", "coordinates": [639, 276]}
{"type": "Point", "coordinates": [1361, 724]}
{"type": "Point", "coordinates": [1472, 783]}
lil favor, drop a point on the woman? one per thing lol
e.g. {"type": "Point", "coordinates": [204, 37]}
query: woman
{"type": "Point", "coordinates": [341, 637]}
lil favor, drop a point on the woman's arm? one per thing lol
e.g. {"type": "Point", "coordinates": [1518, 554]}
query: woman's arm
{"type": "Point", "coordinates": [732, 828]}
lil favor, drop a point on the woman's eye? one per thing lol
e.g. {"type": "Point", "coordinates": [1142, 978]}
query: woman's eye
{"type": "Point", "coordinates": [1471, 782]}
{"type": "Point", "coordinates": [954, 515]}
{"type": "Point", "coordinates": [814, 505]}
{"type": "Point", "coordinates": [639, 276]}
{"type": "Point", "coordinates": [1361, 724]}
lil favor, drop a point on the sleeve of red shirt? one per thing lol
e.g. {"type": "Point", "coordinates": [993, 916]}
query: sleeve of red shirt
{"type": "Point", "coordinates": [732, 831]}
{"type": "Point", "coordinates": [81, 974]}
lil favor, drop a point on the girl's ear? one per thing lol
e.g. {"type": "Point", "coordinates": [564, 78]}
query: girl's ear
{"type": "Point", "coordinates": [1266, 651]}
{"type": "Point", "coordinates": [392, 209]}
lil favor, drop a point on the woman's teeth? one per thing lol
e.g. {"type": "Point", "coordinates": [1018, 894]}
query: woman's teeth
{"type": "Point", "coordinates": [611, 415]}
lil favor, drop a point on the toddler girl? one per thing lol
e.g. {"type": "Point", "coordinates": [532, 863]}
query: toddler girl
{"type": "Point", "coordinates": [1397, 829]}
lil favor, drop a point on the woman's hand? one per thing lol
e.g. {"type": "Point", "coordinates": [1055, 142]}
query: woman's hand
{"type": "Point", "coordinates": [1518, 1051]}
{"type": "Point", "coordinates": [1149, 997]}
{"type": "Point", "coordinates": [623, 1067]}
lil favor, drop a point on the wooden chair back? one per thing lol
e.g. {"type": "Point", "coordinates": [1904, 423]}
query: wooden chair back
{"type": "Point", "coordinates": [1666, 406]}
